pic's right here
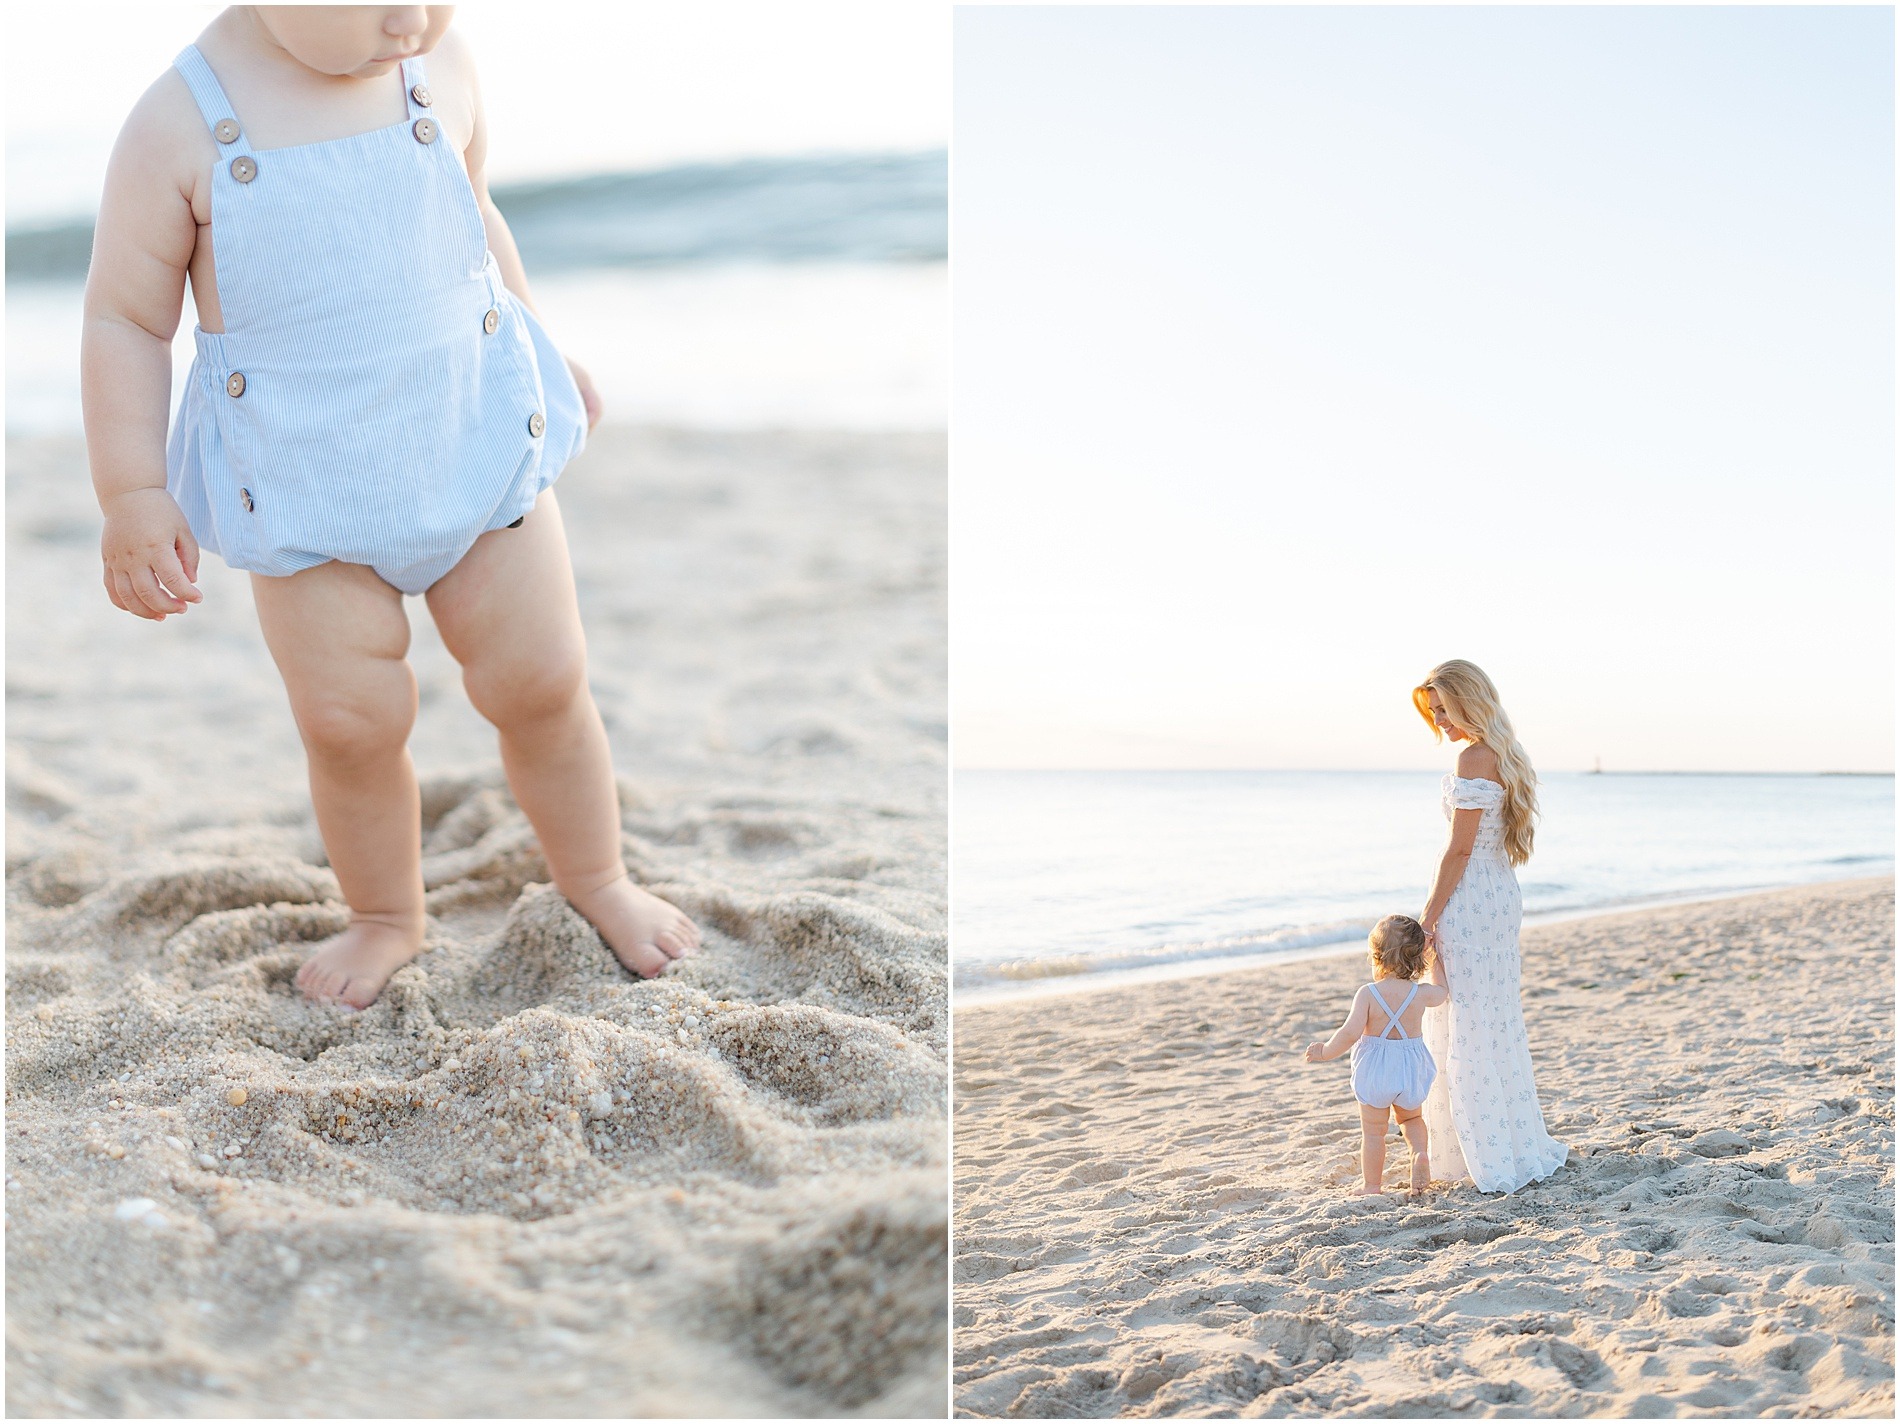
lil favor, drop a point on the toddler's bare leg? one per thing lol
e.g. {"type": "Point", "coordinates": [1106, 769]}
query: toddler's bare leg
{"type": "Point", "coordinates": [1417, 1138]}
{"type": "Point", "coordinates": [1372, 1149]}
{"type": "Point", "coordinates": [339, 635]}
{"type": "Point", "coordinates": [508, 614]}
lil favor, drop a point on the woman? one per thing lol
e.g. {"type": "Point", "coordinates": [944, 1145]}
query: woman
{"type": "Point", "coordinates": [1483, 1115]}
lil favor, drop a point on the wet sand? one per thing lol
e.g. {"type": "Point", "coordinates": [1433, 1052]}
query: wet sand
{"type": "Point", "coordinates": [1153, 1213]}
{"type": "Point", "coordinates": [523, 1183]}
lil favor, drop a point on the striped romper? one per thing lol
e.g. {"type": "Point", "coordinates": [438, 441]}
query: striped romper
{"type": "Point", "coordinates": [1391, 1072]}
{"type": "Point", "coordinates": [377, 395]}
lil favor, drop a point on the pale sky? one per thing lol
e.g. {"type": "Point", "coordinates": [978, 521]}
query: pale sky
{"type": "Point", "coordinates": [570, 87]}
{"type": "Point", "coordinates": [1300, 349]}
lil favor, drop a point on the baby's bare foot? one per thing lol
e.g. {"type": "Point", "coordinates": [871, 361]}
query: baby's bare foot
{"type": "Point", "coordinates": [1370, 1192]}
{"type": "Point", "coordinates": [352, 968]}
{"type": "Point", "coordinates": [1421, 1175]}
{"type": "Point", "coordinates": [644, 932]}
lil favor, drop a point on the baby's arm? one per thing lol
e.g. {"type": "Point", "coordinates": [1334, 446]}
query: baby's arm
{"type": "Point", "coordinates": [1346, 1035]}
{"type": "Point", "coordinates": [141, 249]}
{"type": "Point", "coordinates": [454, 53]}
{"type": "Point", "coordinates": [1436, 993]}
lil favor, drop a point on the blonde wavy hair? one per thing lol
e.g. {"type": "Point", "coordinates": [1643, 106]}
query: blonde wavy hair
{"type": "Point", "coordinates": [1472, 702]}
{"type": "Point", "coordinates": [1397, 946]}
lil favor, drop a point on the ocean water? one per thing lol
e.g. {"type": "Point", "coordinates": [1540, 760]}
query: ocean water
{"type": "Point", "coordinates": [1073, 878]}
{"type": "Point", "coordinates": [803, 293]}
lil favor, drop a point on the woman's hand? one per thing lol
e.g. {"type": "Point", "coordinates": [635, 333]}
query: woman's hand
{"type": "Point", "coordinates": [151, 560]}
{"type": "Point", "coordinates": [589, 396]}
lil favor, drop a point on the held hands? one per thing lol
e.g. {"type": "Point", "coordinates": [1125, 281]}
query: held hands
{"type": "Point", "coordinates": [151, 560]}
{"type": "Point", "coordinates": [590, 398]}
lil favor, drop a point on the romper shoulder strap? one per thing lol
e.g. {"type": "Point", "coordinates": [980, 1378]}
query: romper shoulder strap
{"type": "Point", "coordinates": [415, 87]}
{"type": "Point", "coordinates": [210, 96]}
{"type": "Point", "coordinates": [1398, 1013]}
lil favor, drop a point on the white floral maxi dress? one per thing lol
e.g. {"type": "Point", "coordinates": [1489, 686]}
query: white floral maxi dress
{"type": "Point", "coordinates": [1482, 1115]}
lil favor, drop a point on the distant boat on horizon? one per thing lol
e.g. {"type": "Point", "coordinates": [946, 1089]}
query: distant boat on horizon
{"type": "Point", "coordinates": [1596, 770]}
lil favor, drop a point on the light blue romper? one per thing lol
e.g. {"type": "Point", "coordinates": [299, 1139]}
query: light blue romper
{"type": "Point", "coordinates": [1392, 1072]}
{"type": "Point", "coordinates": [377, 395]}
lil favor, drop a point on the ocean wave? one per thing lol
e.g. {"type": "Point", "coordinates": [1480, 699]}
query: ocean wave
{"type": "Point", "coordinates": [1005, 975]}
{"type": "Point", "coordinates": [1026, 969]}
{"type": "Point", "coordinates": [877, 207]}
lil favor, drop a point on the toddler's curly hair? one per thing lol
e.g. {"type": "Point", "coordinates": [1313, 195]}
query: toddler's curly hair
{"type": "Point", "coordinates": [1397, 946]}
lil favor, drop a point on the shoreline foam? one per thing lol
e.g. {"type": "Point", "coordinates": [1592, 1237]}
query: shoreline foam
{"type": "Point", "coordinates": [1035, 982]}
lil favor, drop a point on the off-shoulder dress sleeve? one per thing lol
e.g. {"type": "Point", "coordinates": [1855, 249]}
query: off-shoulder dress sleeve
{"type": "Point", "coordinates": [1472, 793]}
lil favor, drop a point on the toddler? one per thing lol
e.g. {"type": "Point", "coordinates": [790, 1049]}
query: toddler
{"type": "Point", "coordinates": [1390, 1074]}
{"type": "Point", "coordinates": [374, 410]}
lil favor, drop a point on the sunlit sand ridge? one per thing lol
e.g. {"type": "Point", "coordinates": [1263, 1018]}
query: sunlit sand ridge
{"type": "Point", "coordinates": [1152, 1209]}
{"type": "Point", "coordinates": [522, 1182]}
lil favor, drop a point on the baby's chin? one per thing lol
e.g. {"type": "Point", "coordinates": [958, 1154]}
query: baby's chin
{"type": "Point", "coordinates": [376, 68]}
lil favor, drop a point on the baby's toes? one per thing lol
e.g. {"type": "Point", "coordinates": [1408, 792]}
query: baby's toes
{"type": "Point", "coordinates": [646, 960]}
{"type": "Point", "coordinates": [688, 932]}
{"type": "Point", "coordinates": [319, 985]}
{"type": "Point", "coordinates": [672, 944]}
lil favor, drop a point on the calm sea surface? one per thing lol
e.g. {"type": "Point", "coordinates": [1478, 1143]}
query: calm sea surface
{"type": "Point", "coordinates": [1061, 875]}
{"type": "Point", "coordinates": [765, 293]}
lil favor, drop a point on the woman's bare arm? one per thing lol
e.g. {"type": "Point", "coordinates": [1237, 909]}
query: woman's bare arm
{"type": "Point", "coordinates": [141, 249]}
{"type": "Point", "coordinates": [1451, 865]}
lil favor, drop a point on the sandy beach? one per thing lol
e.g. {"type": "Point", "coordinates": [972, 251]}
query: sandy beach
{"type": "Point", "coordinates": [523, 1183]}
{"type": "Point", "coordinates": [1152, 1212]}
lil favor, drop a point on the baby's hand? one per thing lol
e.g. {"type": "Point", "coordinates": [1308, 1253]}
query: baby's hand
{"type": "Point", "coordinates": [150, 557]}
{"type": "Point", "coordinates": [590, 398]}
{"type": "Point", "coordinates": [1313, 1051]}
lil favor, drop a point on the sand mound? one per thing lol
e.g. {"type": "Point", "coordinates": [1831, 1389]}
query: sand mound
{"type": "Point", "coordinates": [524, 1181]}
{"type": "Point", "coordinates": [1153, 1219]}
{"type": "Point", "coordinates": [514, 1074]}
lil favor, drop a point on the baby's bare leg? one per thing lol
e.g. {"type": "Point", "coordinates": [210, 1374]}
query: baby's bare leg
{"type": "Point", "coordinates": [507, 612]}
{"type": "Point", "coordinates": [339, 635]}
{"type": "Point", "coordinates": [1417, 1139]}
{"type": "Point", "coordinates": [1372, 1149]}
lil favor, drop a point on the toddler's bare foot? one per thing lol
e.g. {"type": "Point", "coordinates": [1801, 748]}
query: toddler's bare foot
{"type": "Point", "coordinates": [1370, 1192]}
{"type": "Point", "coordinates": [644, 932]}
{"type": "Point", "coordinates": [352, 968]}
{"type": "Point", "coordinates": [1421, 1175]}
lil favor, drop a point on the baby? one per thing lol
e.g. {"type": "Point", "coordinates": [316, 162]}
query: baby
{"type": "Point", "coordinates": [374, 410]}
{"type": "Point", "coordinates": [1390, 1075]}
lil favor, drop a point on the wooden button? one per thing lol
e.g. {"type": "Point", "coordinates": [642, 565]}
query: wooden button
{"type": "Point", "coordinates": [536, 424]}
{"type": "Point", "coordinates": [227, 130]}
{"type": "Point", "coordinates": [492, 322]}
{"type": "Point", "coordinates": [244, 497]}
{"type": "Point", "coordinates": [422, 95]}
{"type": "Point", "coordinates": [244, 168]}
{"type": "Point", "coordinates": [234, 384]}
{"type": "Point", "coordinates": [425, 130]}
